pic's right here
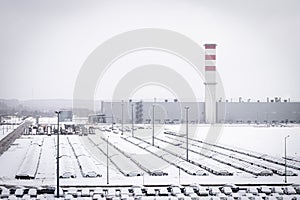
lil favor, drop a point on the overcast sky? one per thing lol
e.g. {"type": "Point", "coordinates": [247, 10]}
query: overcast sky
{"type": "Point", "coordinates": [43, 44]}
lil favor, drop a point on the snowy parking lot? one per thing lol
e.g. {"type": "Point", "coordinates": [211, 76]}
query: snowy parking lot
{"type": "Point", "coordinates": [242, 155]}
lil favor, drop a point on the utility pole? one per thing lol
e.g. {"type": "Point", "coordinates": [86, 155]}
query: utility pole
{"type": "Point", "coordinates": [112, 122]}
{"type": "Point", "coordinates": [122, 104]}
{"type": "Point", "coordinates": [153, 121]}
{"type": "Point", "coordinates": [57, 156]}
{"type": "Point", "coordinates": [132, 125]}
{"type": "Point", "coordinates": [187, 133]}
{"type": "Point", "coordinates": [285, 170]}
{"type": "Point", "coordinates": [107, 167]}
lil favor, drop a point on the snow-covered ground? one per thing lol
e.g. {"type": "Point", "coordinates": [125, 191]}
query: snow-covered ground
{"type": "Point", "coordinates": [266, 140]}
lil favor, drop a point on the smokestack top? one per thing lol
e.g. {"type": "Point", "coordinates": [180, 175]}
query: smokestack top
{"type": "Point", "coordinates": [210, 57]}
{"type": "Point", "coordinates": [210, 46]}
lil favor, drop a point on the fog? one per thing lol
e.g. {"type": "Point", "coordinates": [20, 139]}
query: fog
{"type": "Point", "coordinates": [45, 43]}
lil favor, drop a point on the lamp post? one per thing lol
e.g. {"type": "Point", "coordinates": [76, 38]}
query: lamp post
{"type": "Point", "coordinates": [132, 125]}
{"type": "Point", "coordinates": [179, 175]}
{"type": "Point", "coordinates": [153, 106]}
{"type": "Point", "coordinates": [57, 155]}
{"type": "Point", "coordinates": [107, 167]}
{"type": "Point", "coordinates": [2, 124]}
{"type": "Point", "coordinates": [112, 122]}
{"type": "Point", "coordinates": [187, 132]}
{"type": "Point", "coordinates": [13, 122]}
{"type": "Point", "coordinates": [179, 170]}
{"type": "Point", "coordinates": [285, 178]}
{"type": "Point", "coordinates": [122, 113]}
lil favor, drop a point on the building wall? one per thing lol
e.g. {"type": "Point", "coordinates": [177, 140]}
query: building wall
{"type": "Point", "coordinates": [170, 111]}
{"type": "Point", "coordinates": [259, 111]}
{"type": "Point", "coordinates": [66, 116]}
{"type": "Point", "coordinates": [228, 112]}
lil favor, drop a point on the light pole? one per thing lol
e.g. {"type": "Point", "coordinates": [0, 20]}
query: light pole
{"type": "Point", "coordinates": [179, 175]}
{"type": "Point", "coordinates": [2, 124]}
{"type": "Point", "coordinates": [122, 104]}
{"type": "Point", "coordinates": [179, 169]}
{"type": "Point", "coordinates": [153, 106]}
{"type": "Point", "coordinates": [285, 178]}
{"type": "Point", "coordinates": [107, 168]}
{"type": "Point", "coordinates": [57, 155]}
{"type": "Point", "coordinates": [132, 125]}
{"type": "Point", "coordinates": [112, 122]}
{"type": "Point", "coordinates": [187, 132]}
{"type": "Point", "coordinates": [13, 122]}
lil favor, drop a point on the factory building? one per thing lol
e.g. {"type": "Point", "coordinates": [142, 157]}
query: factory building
{"type": "Point", "coordinates": [211, 111]}
{"type": "Point", "coordinates": [173, 112]}
{"type": "Point", "coordinates": [66, 116]}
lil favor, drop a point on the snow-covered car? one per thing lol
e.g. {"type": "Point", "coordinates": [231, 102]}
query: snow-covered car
{"type": "Point", "coordinates": [277, 190]}
{"type": "Point", "coordinates": [252, 190]}
{"type": "Point", "coordinates": [203, 191]}
{"type": "Point", "coordinates": [226, 190]}
{"type": "Point", "coordinates": [200, 173]}
{"type": "Point", "coordinates": [159, 173]}
{"type": "Point", "coordinates": [111, 193]}
{"type": "Point", "coordinates": [19, 192]}
{"type": "Point", "coordinates": [32, 192]}
{"type": "Point", "coordinates": [189, 191]}
{"type": "Point", "coordinates": [91, 174]}
{"type": "Point", "coordinates": [99, 192]}
{"type": "Point", "coordinates": [214, 191]}
{"type": "Point", "coordinates": [150, 192]}
{"type": "Point", "coordinates": [265, 189]}
{"type": "Point", "coordinates": [224, 173]}
{"type": "Point", "coordinates": [175, 191]}
{"type": "Point", "coordinates": [124, 193]}
{"type": "Point", "coordinates": [134, 173]}
{"type": "Point", "coordinates": [289, 190]}
{"type": "Point", "coordinates": [137, 192]}
{"type": "Point", "coordinates": [67, 175]}
{"type": "Point", "coordinates": [163, 192]}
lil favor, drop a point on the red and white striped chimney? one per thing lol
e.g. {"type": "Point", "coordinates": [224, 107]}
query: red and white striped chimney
{"type": "Point", "coordinates": [210, 83]}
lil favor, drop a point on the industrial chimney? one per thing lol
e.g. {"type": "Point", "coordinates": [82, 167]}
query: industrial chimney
{"type": "Point", "coordinates": [210, 83]}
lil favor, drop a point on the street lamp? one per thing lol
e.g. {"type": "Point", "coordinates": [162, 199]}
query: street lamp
{"type": "Point", "coordinates": [122, 104]}
{"type": "Point", "coordinates": [132, 125]}
{"type": "Point", "coordinates": [112, 122]}
{"type": "Point", "coordinates": [285, 178]}
{"type": "Point", "coordinates": [57, 155]}
{"type": "Point", "coordinates": [153, 106]}
{"type": "Point", "coordinates": [179, 175]}
{"type": "Point", "coordinates": [179, 169]}
{"type": "Point", "coordinates": [187, 132]}
{"type": "Point", "coordinates": [107, 168]}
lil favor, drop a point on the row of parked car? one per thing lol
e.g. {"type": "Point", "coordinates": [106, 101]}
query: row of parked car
{"type": "Point", "coordinates": [29, 166]}
{"type": "Point", "coordinates": [208, 164]}
{"type": "Point", "coordinates": [169, 158]}
{"type": "Point", "coordinates": [192, 167]}
{"type": "Point", "coordinates": [264, 167]}
{"type": "Point", "coordinates": [151, 172]}
{"type": "Point", "coordinates": [118, 129]}
{"type": "Point", "coordinates": [66, 169]}
{"type": "Point", "coordinates": [87, 166]}
{"type": "Point", "coordinates": [176, 192]}
{"type": "Point", "coordinates": [254, 163]}
{"type": "Point", "coordinates": [292, 162]}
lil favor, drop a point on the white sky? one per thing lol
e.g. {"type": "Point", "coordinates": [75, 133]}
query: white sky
{"type": "Point", "coordinates": [44, 43]}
